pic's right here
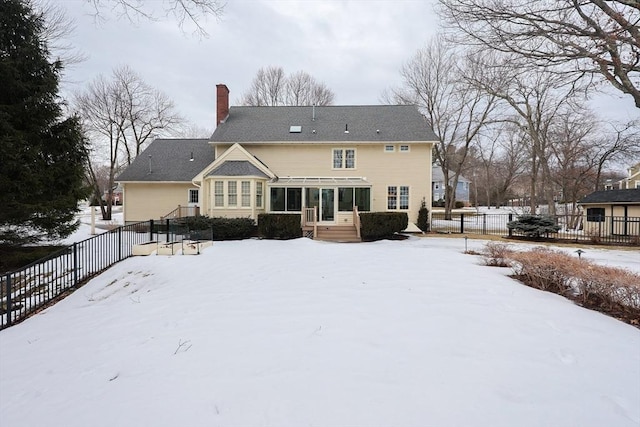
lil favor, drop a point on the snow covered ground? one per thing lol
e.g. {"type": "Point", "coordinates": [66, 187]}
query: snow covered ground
{"type": "Point", "coordinates": [306, 333]}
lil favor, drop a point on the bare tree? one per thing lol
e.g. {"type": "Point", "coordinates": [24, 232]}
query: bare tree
{"type": "Point", "coordinates": [587, 37]}
{"type": "Point", "coordinates": [615, 142]}
{"type": "Point", "coordinates": [436, 79]}
{"type": "Point", "coordinates": [184, 11]}
{"type": "Point", "coordinates": [120, 116]}
{"type": "Point", "coordinates": [271, 87]}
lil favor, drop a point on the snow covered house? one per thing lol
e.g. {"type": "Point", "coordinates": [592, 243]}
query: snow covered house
{"type": "Point", "coordinates": [323, 163]}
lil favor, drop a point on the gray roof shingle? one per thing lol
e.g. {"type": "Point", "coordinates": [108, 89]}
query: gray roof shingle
{"type": "Point", "coordinates": [613, 196]}
{"type": "Point", "coordinates": [169, 160]}
{"type": "Point", "coordinates": [384, 123]}
{"type": "Point", "coordinates": [237, 168]}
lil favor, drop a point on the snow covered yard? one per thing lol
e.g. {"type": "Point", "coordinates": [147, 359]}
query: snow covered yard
{"type": "Point", "coordinates": [305, 333]}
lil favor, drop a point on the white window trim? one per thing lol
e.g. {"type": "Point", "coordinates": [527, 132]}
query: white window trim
{"type": "Point", "coordinates": [344, 158]}
{"type": "Point", "coordinates": [393, 148]}
{"type": "Point", "coordinates": [197, 192]}
{"type": "Point", "coordinates": [397, 209]}
{"type": "Point", "coordinates": [238, 194]}
{"type": "Point", "coordinates": [408, 150]}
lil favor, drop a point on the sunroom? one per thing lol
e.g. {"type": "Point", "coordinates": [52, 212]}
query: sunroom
{"type": "Point", "coordinates": [325, 200]}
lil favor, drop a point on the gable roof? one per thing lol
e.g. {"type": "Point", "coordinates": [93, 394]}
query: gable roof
{"type": "Point", "coordinates": [237, 168]}
{"type": "Point", "coordinates": [383, 123]}
{"type": "Point", "coordinates": [612, 196]}
{"type": "Point", "coordinates": [169, 160]}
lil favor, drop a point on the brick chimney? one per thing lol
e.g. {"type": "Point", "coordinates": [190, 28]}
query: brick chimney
{"type": "Point", "coordinates": [222, 103]}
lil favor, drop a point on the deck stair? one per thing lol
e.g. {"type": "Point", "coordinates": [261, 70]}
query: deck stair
{"type": "Point", "coordinates": [338, 233]}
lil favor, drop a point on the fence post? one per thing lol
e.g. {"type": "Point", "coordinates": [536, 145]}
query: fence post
{"type": "Point", "coordinates": [461, 223]}
{"type": "Point", "coordinates": [119, 243]}
{"type": "Point", "coordinates": [510, 230]}
{"type": "Point", "coordinates": [75, 265]}
{"type": "Point", "coordinates": [168, 234]}
{"type": "Point", "coordinates": [8, 308]}
{"type": "Point", "coordinates": [151, 230]}
{"type": "Point", "coordinates": [484, 223]}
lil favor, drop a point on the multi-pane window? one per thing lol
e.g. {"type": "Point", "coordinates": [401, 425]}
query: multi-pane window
{"type": "Point", "coordinates": [404, 197]}
{"type": "Point", "coordinates": [349, 159]}
{"type": "Point", "coordinates": [218, 192]}
{"type": "Point", "coordinates": [344, 158]}
{"type": "Point", "coordinates": [259, 195]}
{"type": "Point", "coordinates": [232, 193]}
{"type": "Point", "coordinates": [392, 197]}
{"type": "Point", "coordinates": [404, 148]}
{"type": "Point", "coordinates": [397, 197]}
{"type": "Point", "coordinates": [193, 195]}
{"type": "Point", "coordinates": [337, 158]}
{"type": "Point", "coordinates": [246, 194]}
{"type": "Point", "coordinates": [389, 148]}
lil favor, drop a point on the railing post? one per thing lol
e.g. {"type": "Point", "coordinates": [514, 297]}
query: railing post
{"type": "Point", "coordinates": [119, 243]}
{"type": "Point", "coordinates": [75, 265]}
{"type": "Point", "coordinates": [510, 230]}
{"type": "Point", "coordinates": [9, 305]}
{"type": "Point", "coordinates": [461, 223]}
{"type": "Point", "coordinates": [484, 223]}
{"type": "Point", "coordinates": [168, 234]}
{"type": "Point", "coordinates": [151, 230]}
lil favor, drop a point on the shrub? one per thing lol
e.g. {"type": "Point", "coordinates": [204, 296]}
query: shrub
{"type": "Point", "coordinates": [458, 204]}
{"type": "Point", "coordinates": [217, 228]}
{"type": "Point", "coordinates": [279, 226]}
{"type": "Point", "coordinates": [423, 217]}
{"type": "Point", "coordinates": [497, 254]}
{"type": "Point", "coordinates": [534, 225]}
{"type": "Point", "coordinates": [380, 225]}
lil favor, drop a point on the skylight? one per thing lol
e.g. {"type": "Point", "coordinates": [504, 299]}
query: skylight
{"type": "Point", "coordinates": [295, 129]}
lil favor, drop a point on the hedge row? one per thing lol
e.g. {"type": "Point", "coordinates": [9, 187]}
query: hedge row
{"type": "Point", "coordinates": [206, 228]}
{"type": "Point", "coordinates": [381, 225]}
{"type": "Point", "coordinates": [279, 226]}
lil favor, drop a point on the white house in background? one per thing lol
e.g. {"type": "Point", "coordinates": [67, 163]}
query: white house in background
{"type": "Point", "coordinates": [438, 187]}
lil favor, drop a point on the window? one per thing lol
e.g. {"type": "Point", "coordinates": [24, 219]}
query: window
{"type": "Point", "coordinates": [286, 199]}
{"type": "Point", "coordinates": [436, 196]}
{"type": "Point", "coordinates": [404, 197]}
{"type": "Point", "coordinates": [436, 186]}
{"type": "Point", "coordinates": [277, 199]}
{"type": "Point", "coordinates": [392, 197]}
{"type": "Point", "coordinates": [345, 199]}
{"type": "Point", "coordinates": [389, 148]}
{"type": "Point", "coordinates": [259, 195]}
{"type": "Point", "coordinates": [337, 159]}
{"type": "Point", "coordinates": [637, 184]}
{"type": "Point", "coordinates": [193, 195]}
{"type": "Point", "coordinates": [363, 199]}
{"type": "Point", "coordinates": [232, 193]}
{"type": "Point", "coordinates": [246, 194]}
{"type": "Point", "coordinates": [397, 197]}
{"type": "Point", "coordinates": [294, 199]}
{"type": "Point", "coordinates": [344, 158]}
{"type": "Point", "coordinates": [595, 214]}
{"type": "Point", "coordinates": [404, 148]}
{"type": "Point", "coordinates": [218, 194]}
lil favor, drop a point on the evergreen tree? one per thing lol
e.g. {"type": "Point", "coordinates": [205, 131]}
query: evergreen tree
{"type": "Point", "coordinates": [42, 152]}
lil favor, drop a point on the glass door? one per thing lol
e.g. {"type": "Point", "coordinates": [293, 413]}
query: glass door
{"type": "Point", "coordinates": [327, 205]}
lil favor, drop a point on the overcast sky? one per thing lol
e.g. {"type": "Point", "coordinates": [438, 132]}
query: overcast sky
{"type": "Point", "coordinates": [355, 47]}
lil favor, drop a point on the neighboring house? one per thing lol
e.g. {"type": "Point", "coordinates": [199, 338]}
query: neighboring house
{"type": "Point", "coordinates": [286, 159]}
{"type": "Point", "coordinates": [612, 212]}
{"type": "Point", "coordinates": [633, 180]}
{"type": "Point", "coordinates": [116, 195]}
{"type": "Point", "coordinates": [438, 191]}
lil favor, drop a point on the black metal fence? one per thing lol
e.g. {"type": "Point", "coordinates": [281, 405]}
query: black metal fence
{"type": "Point", "coordinates": [607, 230]}
{"type": "Point", "coordinates": [24, 291]}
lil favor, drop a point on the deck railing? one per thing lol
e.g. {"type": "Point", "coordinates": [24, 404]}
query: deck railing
{"type": "Point", "coordinates": [310, 219]}
{"type": "Point", "coordinates": [356, 221]}
{"type": "Point", "coordinates": [182, 212]}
